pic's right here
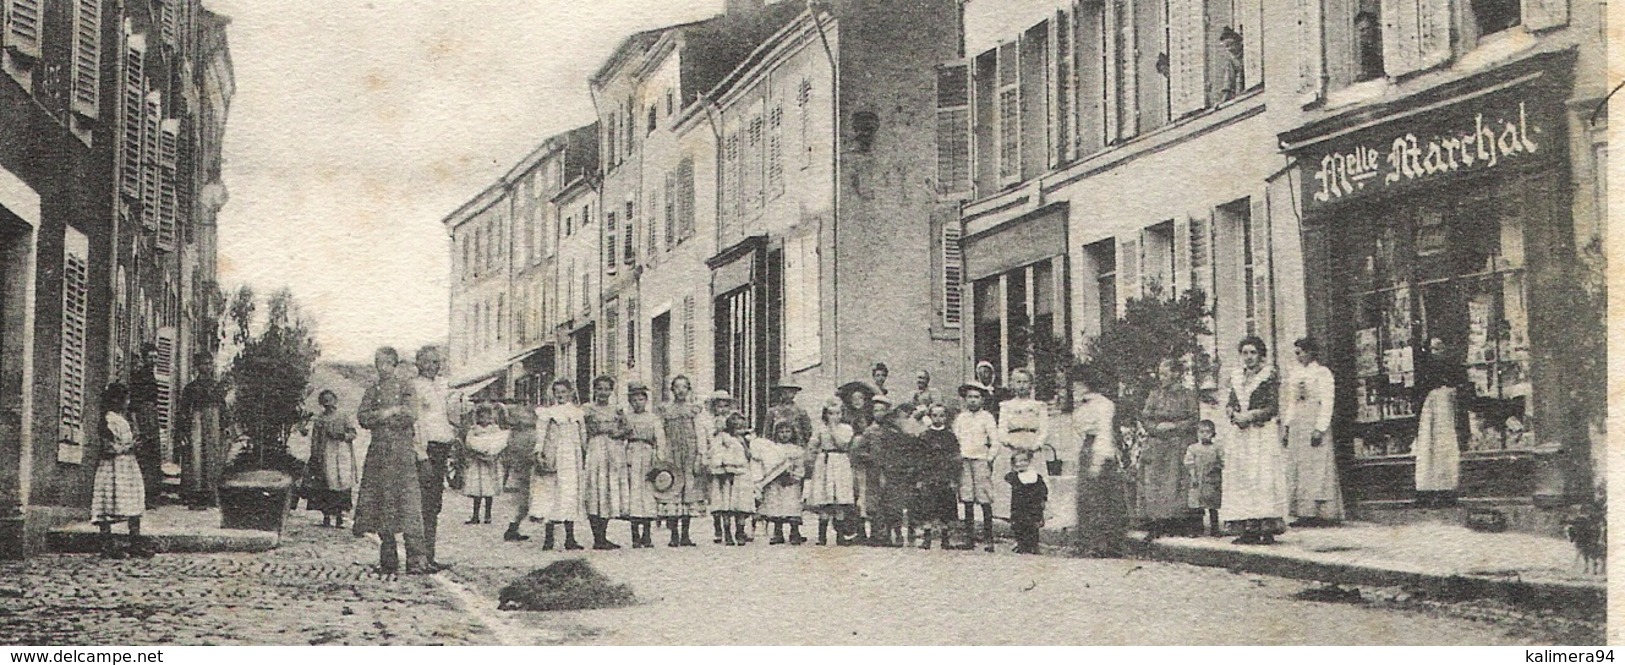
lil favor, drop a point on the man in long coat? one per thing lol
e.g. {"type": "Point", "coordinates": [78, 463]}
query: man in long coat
{"type": "Point", "coordinates": [390, 501]}
{"type": "Point", "coordinates": [200, 409]}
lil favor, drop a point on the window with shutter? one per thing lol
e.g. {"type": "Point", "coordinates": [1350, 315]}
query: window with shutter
{"type": "Point", "coordinates": [1128, 262]}
{"type": "Point", "coordinates": [610, 246]}
{"type": "Point", "coordinates": [689, 343]}
{"type": "Point", "coordinates": [164, 372]}
{"type": "Point", "coordinates": [151, 169]}
{"type": "Point", "coordinates": [134, 112]}
{"type": "Point", "coordinates": [685, 199]}
{"type": "Point", "coordinates": [1250, 23]}
{"type": "Point", "coordinates": [1061, 97]}
{"type": "Point", "coordinates": [1009, 110]}
{"type": "Point", "coordinates": [1187, 51]}
{"type": "Point", "coordinates": [629, 249]}
{"type": "Point", "coordinates": [1091, 70]}
{"type": "Point", "coordinates": [775, 152]}
{"type": "Point", "coordinates": [953, 276]}
{"type": "Point", "coordinates": [168, 204]}
{"type": "Point", "coordinates": [23, 21]}
{"type": "Point", "coordinates": [1126, 90]}
{"type": "Point", "coordinates": [671, 210]}
{"type": "Point", "coordinates": [1150, 49]}
{"type": "Point", "coordinates": [1399, 37]}
{"type": "Point", "coordinates": [87, 58]}
{"type": "Point", "coordinates": [953, 128]}
{"type": "Point", "coordinates": [75, 313]}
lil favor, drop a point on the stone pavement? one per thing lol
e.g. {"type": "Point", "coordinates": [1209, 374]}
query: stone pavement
{"type": "Point", "coordinates": [317, 587]}
{"type": "Point", "coordinates": [760, 594]}
{"type": "Point", "coordinates": [1442, 560]}
{"type": "Point", "coordinates": [172, 529]}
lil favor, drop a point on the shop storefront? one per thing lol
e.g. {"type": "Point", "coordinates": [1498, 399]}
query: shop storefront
{"type": "Point", "coordinates": [745, 312]}
{"type": "Point", "coordinates": [1447, 216]}
{"type": "Point", "coordinates": [1019, 286]}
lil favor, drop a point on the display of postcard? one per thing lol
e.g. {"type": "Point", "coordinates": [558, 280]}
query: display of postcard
{"type": "Point", "coordinates": [1367, 355]}
{"type": "Point", "coordinates": [1515, 312]}
{"type": "Point", "coordinates": [1407, 360]}
{"type": "Point", "coordinates": [1479, 347]}
{"type": "Point", "coordinates": [1399, 446]}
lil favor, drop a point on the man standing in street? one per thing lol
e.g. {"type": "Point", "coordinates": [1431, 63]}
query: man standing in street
{"type": "Point", "coordinates": [435, 434]}
{"type": "Point", "coordinates": [390, 500]}
{"type": "Point", "coordinates": [200, 407]}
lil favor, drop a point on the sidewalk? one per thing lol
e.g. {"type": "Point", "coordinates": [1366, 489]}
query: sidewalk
{"type": "Point", "coordinates": [1442, 561]}
{"type": "Point", "coordinates": [172, 529]}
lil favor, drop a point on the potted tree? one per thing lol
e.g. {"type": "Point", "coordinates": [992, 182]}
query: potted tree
{"type": "Point", "coordinates": [270, 376]}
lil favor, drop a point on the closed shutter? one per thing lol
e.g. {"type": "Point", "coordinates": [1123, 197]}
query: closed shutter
{"type": "Point", "coordinates": [953, 128]}
{"type": "Point", "coordinates": [1250, 23]}
{"type": "Point", "coordinates": [87, 58]}
{"type": "Point", "coordinates": [151, 158]}
{"type": "Point", "coordinates": [689, 343]}
{"type": "Point", "coordinates": [651, 249]}
{"type": "Point", "coordinates": [23, 22]}
{"type": "Point", "coordinates": [631, 332]}
{"type": "Point", "coordinates": [75, 319]}
{"type": "Point", "coordinates": [1310, 50]}
{"type": "Point", "coordinates": [164, 372]}
{"type": "Point", "coordinates": [752, 166]}
{"type": "Point", "coordinates": [1187, 62]}
{"type": "Point", "coordinates": [1545, 14]}
{"type": "Point", "coordinates": [953, 276]}
{"type": "Point", "coordinates": [1128, 76]}
{"type": "Point", "coordinates": [1399, 38]}
{"type": "Point", "coordinates": [728, 199]}
{"type": "Point", "coordinates": [1009, 110]}
{"type": "Point", "coordinates": [629, 248]}
{"type": "Point", "coordinates": [610, 245]}
{"type": "Point", "coordinates": [671, 209]}
{"type": "Point", "coordinates": [685, 199]}
{"type": "Point", "coordinates": [1112, 79]}
{"type": "Point", "coordinates": [775, 152]}
{"type": "Point", "coordinates": [134, 112]}
{"type": "Point", "coordinates": [1062, 116]}
{"type": "Point", "coordinates": [168, 206]}
{"type": "Point", "coordinates": [1433, 21]}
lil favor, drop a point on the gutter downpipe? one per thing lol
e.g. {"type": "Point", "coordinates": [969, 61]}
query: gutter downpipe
{"type": "Point", "coordinates": [814, 6]}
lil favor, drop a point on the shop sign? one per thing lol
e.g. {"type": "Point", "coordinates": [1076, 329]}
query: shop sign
{"type": "Point", "coordinates": [1483, 136]}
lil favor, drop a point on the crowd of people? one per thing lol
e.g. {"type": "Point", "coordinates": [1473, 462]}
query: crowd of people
{"type": "Point", "coordinates": [873, 468]}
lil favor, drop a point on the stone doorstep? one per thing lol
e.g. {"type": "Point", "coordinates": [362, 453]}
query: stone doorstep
{"type": "Point", "coordinates": [1587, 597]}
{"type": "Point", "coordinates": [85, 538]}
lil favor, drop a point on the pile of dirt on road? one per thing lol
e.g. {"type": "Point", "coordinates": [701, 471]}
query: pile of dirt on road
{"type": "Point", "coordinates": [571, 584]}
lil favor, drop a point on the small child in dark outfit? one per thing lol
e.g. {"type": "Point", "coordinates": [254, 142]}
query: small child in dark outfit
{"type": "Point", "coordinates": [1028, 494]}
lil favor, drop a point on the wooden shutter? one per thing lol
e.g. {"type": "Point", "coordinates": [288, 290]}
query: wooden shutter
{"type": "Point", "coordinates": [631, 332]}
{"type": "Point", "coordinates": [775, 151]}
{"type": "Point", "coordinates": [1128, 270]}
{"type": "Point", "coordinates": [795, 305]}
{"type": "Point", "coordinates": [1263, 292]}
{"type": "Point", "coordinates": [651, 224]}
{"type": "Point", "coordinates": [151, 168]}
{"type": "Point", "coordinates": [1062, 117]}
{"type": "Point", "coordinates": [1545, 14]}
{"type": "Point", "coordinates": [1433, 28]}
{"type": "Point", "coordinates": [168, 204]}
{"type": "Point", "coordinates": [953, 276]}
{"type": "Point", "coordinates": [612, 330]}
{"type": "Point", "coordinates": [671, 209]}
{"type": "Point", "coordinates": [170, 21]}
{"type": "Point", "coordinates": [164, 372]}
{"type": "Point", "coordinates": [685, 198]}
{"type": "Point", "coordinates": [23, 22]}
{"type": "Point", "coordinates": [689, 343]}
{"type": "Point", "coordinates": [1250, 23]}
{"type": "Point", "coordinates": [1182, 257]}
{"type": "Point", "coordinates": [1091, 68]}
{"type": "Point", "coordinates": [630, 235]}
{"type": "Point", "coordinates": [1187, 56]}
{"type": "Point", "coordinates": [1399, 37]}
{"type": "Point", "coordinates": [75, 320]}
{"type": "Point", "coordinates": [953, 128]}
{"type": "Point", "coordinates": [1309, 47]}
{"type": "Point", "coordinates": [87, 58]}
{"type": "Point", "coordinates": [753, 149]}
{"type": "Point", "coordinates": [1009, 112]}
{"type": "Point", "coordinates": [610, 246]}
{"type": "Point", "coordinates": [134, 113]}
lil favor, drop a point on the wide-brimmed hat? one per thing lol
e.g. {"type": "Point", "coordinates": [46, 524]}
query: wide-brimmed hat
{"type": "Point", "coordinates": [973, 388]}
{"type": "Point", "coordinates": [719, 395]}
{"type": "Point", "coordinates": [786, 387]}
{"type": "Point", "coordinates": [881, 399]}
{"type": "Point", "coordinates": [845, 391]}
{"type": "Point", "coordinates": [665, 482]}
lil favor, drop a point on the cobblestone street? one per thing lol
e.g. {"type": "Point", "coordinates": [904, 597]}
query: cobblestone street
{"type": "Point", "coordinates": [317, 588]}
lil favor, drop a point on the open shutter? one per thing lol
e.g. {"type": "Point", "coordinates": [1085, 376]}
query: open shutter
{"type": "Point", "coordinates": [775, 151]}
{"type": "Point", "coordinates": [953, 276]}
{"type": "Point", "coordinates": [1433, 28]}
{"type": "Point", "coordinates": [689, 363]}
{"type": "Point", "coordinates": [1250, 23]}
{"type": "Point", "coordinates": [1545, 14]}
{"type": "Point", "coordinates": [1310, 50]}
{"type": "Point", "coordinates": [168, 202]}
{"type": "Point", "coordinates": [87, 58]}
{"type": "Point", "coordinates": [170, 21]}
{"type": "Point", "coordinates": [1091, 86]}
{"type": "Point", "coordinates": [610, 246]}
{"type": "Point", "coordinates": [629, 247]}
{"type": "Point", "coordinates": [134, 113]}
{"type": "Point", "coordinates": [151, 167]}
{"type": "Point", "coordinates": [1182, 257]}
{"type": "Point", "coordinates": [953, 128]}
{"type": "Point", "coordinates": [1062, 116]}
{"type": "Point", "coordinates": [23, 23]}
{"type": "Point", "coordinates": [1128, 270]}
{"type": "Point", "coordinates": [1009, 112]}
{"type": "Point", "coordinates": [671, 209]}
{"type": "Point", "coordinates": [1263, 292]}
{"type": "Point", "coordinates": [1128, 52]}
{"type": "Point", "coordinates": [1187, 62]}
{"type": "Point", "coordinates": [164, 372]}
{"type": "Point", "coordinates": [795, 305]}
{"type": "Point", "coordinates": [75, 319]}
{"type": "Point", "coordinates": [1399, 38]}
{"type": "Point", "coordinates": [685, 198]}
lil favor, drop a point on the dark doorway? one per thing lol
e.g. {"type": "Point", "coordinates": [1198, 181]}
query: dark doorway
{"type": "Point", "coordinates": [583, 342]}
{"type": "Point", "coordinates": [660, 355]}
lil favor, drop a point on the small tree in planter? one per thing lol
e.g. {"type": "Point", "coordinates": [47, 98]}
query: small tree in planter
{"type": "Point", "coordinates": [271, 374]}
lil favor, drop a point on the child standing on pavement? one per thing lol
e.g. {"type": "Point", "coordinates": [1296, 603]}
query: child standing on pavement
{"type": "Point", "coordinates": [977, 432]}
{"type": "Point", "coordinates": [1028, 495]}
{"type": "Point", "coordinates": [482, 476]}
{"type": "Point", "coordinates": [118, 494]}
{"type": "Point", "coordinates": [1204, 466]}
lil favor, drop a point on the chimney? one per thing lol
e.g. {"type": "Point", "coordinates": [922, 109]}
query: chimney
{"type": "Point", "coordinates": [744, 9]}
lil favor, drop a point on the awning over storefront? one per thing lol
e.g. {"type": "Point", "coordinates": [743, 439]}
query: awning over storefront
{"type": "Point", "coordinates": [1028, 240]}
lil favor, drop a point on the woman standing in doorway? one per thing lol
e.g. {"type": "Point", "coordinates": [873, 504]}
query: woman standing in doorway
{"type": "Point", "coordinates": [1440, 381]}
{"type": "Point", "coordinates": [1255, 493]}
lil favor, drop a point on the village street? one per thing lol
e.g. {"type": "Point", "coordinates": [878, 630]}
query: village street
{"type": "Point", "coordinates": [317, 588]}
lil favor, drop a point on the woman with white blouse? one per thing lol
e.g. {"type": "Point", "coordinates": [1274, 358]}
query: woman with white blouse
{"type": "Point", "coordinates": [1312, 486]}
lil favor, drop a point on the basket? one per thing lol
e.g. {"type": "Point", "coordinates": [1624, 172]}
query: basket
{"type": "Point", "coordinates": [1052, 463]}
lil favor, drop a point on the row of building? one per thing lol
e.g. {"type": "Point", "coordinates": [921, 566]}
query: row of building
{"type": "Point", "coordinates": [794, 191]}
{"type": "Point", "coordinates": [111, 120]}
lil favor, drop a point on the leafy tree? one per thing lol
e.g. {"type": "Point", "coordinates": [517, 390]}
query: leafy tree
{"type": "Point", "coordinates": [1152, 328]}
{"type": "Point", "coordinates": [271, 374]}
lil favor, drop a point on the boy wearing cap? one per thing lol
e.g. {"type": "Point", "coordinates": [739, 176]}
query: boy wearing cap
{"type": "Point", "coordinates": [976, 431]}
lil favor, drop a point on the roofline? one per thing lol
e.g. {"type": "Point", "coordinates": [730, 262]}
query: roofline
{"type": "Point", "coordinates": [571, 188]}
{"type": "Point", "coordinates": [558, 142]}
{"type": "Point", "coordinates": [730, 85]}
{"type": "Point", "coordinates": [619, 57]}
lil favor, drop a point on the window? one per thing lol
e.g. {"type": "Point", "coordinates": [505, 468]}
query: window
{"type": "Point", "coordinates": [1009, 114]}
{"type": "Point", "coordinates": [689, 343]}
{"type": "Point", "coordinates": [953, 276]}
{"type": "Point", "coordinates": [631, 333]}
{"type": "Point", "coordinates": [87, 58]}
{"type": "Point", "coordinates": [654, 115]}
{"type": "Point", "coordinates": [22, 27]}
{"type": "Point", "coordinates": [134, 105]}
{"type": "Point", "coordinates": [775, 152]}
{"type": "Point", "coordinates": [1104, 255]}
{"type": "Point", "coordinates": [610, 247]}
{"type": "Point", "coordinates": [1122, 77]}
{"type": "Point", "coordinates": [953, 128]}
{"type": "Point", "coordinates": [1187, 57]}
{"type": "Point", "coordinates": [802, 304]}
{"type": "Point", "coordinates": [168, 197]}
{"type": "Point", "coordinates": [629, 250]}
{"type": "Point", "coordinates": [75, 320]}
{"type": "Point", "coordinates": [1158, 270]}
{"type": "Point", "coordinates": [1492, 16]}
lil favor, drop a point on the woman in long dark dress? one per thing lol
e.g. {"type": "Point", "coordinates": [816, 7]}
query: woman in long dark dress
{"type": "Point", "coordinates": [1102, 510]}
{"type": "Point", "coordinates": [1169, 420]}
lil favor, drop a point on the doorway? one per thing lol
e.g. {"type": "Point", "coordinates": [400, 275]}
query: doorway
{"type": "Point", "coordinates": [660, 355]}
{"type": "Point", "coordinates": [583, 343]}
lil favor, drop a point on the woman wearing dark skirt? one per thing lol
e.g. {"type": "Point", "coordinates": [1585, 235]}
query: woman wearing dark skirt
{"type": "Point", "coordinates": [332, 468]}
{"type": "Point", "coordinates": [1169, 420]}
{"type": "Point", "coordinates": [1102, 509]}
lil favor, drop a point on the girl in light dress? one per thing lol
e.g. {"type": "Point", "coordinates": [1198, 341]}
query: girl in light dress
{"type": "Point", "coordinates": [556, 481]}
{"type": "Point", "coordinates": [732, 495]}
{"type": "Point", "coordinates": [118, 494]}
{"type": "Point", "coordinates": [830, 492]}
{"type": "Point", "coordinates": [482, 477]}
